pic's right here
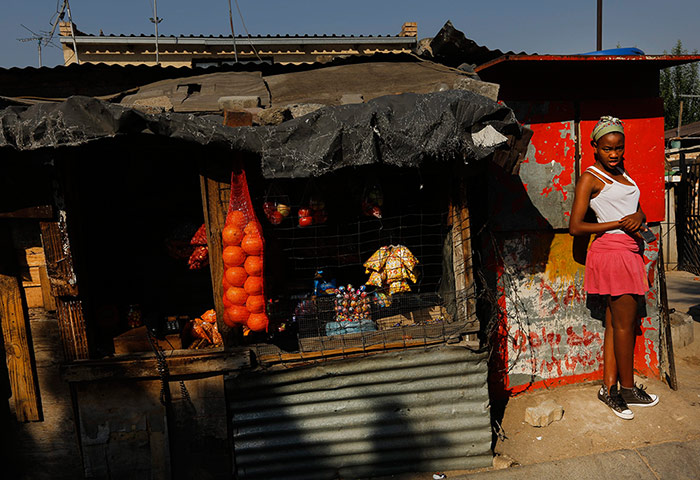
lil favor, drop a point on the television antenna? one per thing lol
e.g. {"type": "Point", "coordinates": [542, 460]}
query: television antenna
{"type": "Point", "coordinates": [34, 38]}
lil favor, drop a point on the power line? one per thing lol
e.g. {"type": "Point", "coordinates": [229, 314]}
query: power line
{"type": "Point", "coordinates": [233, 34]}
{"type": "Point", "coordinates": [246, 30]}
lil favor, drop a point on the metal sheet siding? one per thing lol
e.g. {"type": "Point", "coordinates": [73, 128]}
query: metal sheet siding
{"type": "Point", "coordinates": [389, 413]}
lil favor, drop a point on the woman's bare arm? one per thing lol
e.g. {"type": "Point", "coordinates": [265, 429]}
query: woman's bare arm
{"type": "Point", "coordinates": [632, 223]}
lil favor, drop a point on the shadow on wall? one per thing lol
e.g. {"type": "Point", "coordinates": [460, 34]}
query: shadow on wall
{"type": "Point", "coordinates": [512, 239]}
{"type": "Point", "coordinates": [387, 414]}
{"type": "Point", "coordinates": [128, 433]}
{"type": "Point", "coordinates": [301, 426]}
{"type": "Point", "coordinates": [47, 449]}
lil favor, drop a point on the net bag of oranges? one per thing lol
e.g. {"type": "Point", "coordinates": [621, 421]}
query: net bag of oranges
{"type": "Point", "coordinates": [244, 299]}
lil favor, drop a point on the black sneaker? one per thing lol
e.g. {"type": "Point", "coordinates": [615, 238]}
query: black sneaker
{"type": "Point", "coordinates": [614, 400]}
{"type": "Point", "coordinates": [638, 397]}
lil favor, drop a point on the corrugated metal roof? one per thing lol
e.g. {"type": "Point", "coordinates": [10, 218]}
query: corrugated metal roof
{"type": "Point", "coordinates": [227, 40]}
{"type": "Point", "coordinates": [102, 79]}
{"type": "Point", "coordinates": [389, 413]}
{"type": "Point", "coordinates": [296, 35]}
{"type": "Point", "coordinates": [653, 61]}
{"type": "Point", "coordinates": [689, 130]}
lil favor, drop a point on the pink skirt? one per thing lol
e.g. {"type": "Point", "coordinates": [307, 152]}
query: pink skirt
{"type": "Point", "coordinates": [614, 266]}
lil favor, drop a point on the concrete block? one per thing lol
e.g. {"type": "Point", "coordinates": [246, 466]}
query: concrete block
{"type": "Point", "coordinates": [543, 414]}
{"type": "Point", "coordinates": [349, 98]}
{"type": "Point", "coordinates": [681, 329]}
{"type": "Point", "coordinates": [238, 102]}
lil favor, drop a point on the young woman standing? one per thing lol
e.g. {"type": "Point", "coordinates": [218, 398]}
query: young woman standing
{"type": "Point", "coordinates": [614, 264]}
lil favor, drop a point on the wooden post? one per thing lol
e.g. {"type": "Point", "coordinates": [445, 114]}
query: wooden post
{"type": "Point", "coordinates": [458, 263]}
{"type": "Point", "coordinates": [215, 209]}
{"type": "Point", "coordinates": [466, 234]}
{"type": "Point", "coordinates": [462, 251]}
{"type": "Point", "coordinates": [16, 335]}
{"type": "Point", "coordinates": [47, 296]}
{"type": "Point", "coordinates": [216, 191]}
{"type": "Point", "coordinates": [64, 287]}
{"type": "Point", "coordinates": [665, 336]}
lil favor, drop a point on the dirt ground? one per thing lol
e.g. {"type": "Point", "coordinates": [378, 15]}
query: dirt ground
{"type": "Point", "coordinates": [589, 427]}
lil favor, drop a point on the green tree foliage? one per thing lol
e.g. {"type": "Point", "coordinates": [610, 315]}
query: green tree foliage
{"type": "Point", "coordinates": [676, 81]}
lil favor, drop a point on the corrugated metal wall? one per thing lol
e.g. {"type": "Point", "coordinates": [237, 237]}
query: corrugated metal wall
{"type": "Point", "coordinates": [396, 412]}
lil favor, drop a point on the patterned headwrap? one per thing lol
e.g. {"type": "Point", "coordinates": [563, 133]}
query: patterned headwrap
{"type": "Point", "coordinates": [607, 125]}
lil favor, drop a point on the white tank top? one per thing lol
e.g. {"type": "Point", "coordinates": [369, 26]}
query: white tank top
{"type": "Point", "coordinates": [616, 200]}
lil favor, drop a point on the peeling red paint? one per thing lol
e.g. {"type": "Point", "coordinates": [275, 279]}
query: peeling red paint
{"type": "Point", "coordinates": [644, 131]}
{"type": "Point", "coordinates": [554, 145]}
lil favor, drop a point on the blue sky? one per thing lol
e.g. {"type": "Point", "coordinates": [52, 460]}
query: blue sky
{"type": "Point", "coordinates": [544, 26]}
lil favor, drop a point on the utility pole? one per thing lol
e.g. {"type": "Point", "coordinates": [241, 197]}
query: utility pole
{"type": "Point", "coordinates": [72, 31]}
{"type": "Point", "coordinates": [61, 14]}
{"type": "Point", "coordinates": [680, 111]}
{"type": "Point", "coordinates": [599, 37]}
{"type": "Point", "coordinates": [155, 20]}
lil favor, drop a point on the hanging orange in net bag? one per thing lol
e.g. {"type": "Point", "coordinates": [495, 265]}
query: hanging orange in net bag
{"type": "Point", "coordinates": [243, 247]}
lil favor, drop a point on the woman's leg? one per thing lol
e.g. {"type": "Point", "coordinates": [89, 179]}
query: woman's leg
{"type": "Point", "coordinates": [623, 311]}
{"type": "Point", "coordinates": [609, 364]}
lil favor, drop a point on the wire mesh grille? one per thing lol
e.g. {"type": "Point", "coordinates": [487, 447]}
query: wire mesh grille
{"type": "Point", "coordinates": [342, 248]}
{"type": "Point", "coordinates": [431, 312]}
{"type": "Point", "coordinates": [689, 219]}
{"type": "Point", "coordinates": [316, 272]}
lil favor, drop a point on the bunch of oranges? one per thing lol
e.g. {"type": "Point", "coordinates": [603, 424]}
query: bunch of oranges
{"type": "Point", "coordinates": [244, 301]}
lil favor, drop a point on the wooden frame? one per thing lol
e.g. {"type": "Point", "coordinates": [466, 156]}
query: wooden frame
{"type": "Point", "coordinates": [16, 334]}
{"type": "Point", "coordinates": [144, 366]}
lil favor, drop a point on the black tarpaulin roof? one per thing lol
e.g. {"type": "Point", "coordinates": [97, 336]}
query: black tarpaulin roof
{"type": "Point", "coordinates": [400, 130]}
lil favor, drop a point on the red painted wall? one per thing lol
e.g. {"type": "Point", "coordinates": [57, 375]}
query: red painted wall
{"type": "Point", "coordinates": [644, 146]}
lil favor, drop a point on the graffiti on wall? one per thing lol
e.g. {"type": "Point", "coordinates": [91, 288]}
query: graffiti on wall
{"type": "Point", "coordinates": [554, 331]}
